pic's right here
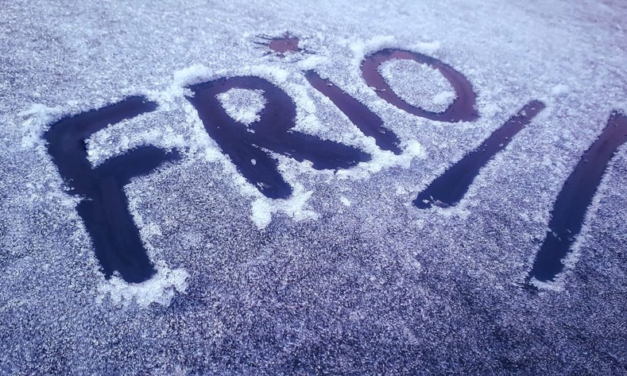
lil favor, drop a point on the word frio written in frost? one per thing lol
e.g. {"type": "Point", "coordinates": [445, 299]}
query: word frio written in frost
{"type": "Point", "coordinates": [116, 238]}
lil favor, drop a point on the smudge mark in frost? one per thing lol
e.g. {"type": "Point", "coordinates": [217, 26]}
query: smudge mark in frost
{"type": "Point", "coordinates": [287, 43]}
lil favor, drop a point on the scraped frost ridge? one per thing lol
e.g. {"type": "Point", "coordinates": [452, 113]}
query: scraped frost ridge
{"type": "Point", "coordinates": [36, 119]}
{"type": "Point", "coordinates": [159, 289]}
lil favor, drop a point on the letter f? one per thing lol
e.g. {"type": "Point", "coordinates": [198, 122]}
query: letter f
{"type": "Point", "coordinates": [104, 209]}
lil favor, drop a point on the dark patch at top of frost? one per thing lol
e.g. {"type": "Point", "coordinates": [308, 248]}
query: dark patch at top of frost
{"type": "Point", "coordinates": [287, 43]}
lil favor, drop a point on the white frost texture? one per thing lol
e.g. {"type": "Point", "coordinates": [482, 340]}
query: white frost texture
{"type": "Point", "coordinates": [158, 289]}
{"type": "Point", "coordinates": [243, 105]}
{"type": "Point", "coordinates": [346, 276]}
{"type": "Point", "coordinates": [418, 84]}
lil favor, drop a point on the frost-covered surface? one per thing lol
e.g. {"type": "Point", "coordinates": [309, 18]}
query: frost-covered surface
{"type": "Point", "coordinates": [159, 289]}
{"type": "Point", "coordinates": [243, 105]}
{"type": "Point", "coordinates": [346, 277]}
{"type": "Point", "coordinates": [418, 84]}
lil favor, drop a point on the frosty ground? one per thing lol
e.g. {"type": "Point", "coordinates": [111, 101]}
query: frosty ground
{"type": "Point", "coordinates": [346, 276]}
